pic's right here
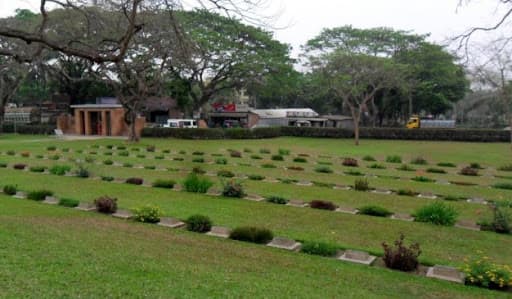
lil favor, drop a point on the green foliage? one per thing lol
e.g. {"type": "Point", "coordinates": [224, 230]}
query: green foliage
{"type": "Point", "coordinates": [504, 186]}
{"type": "Point", "coordinates": [501, 221]}
{"type": "Point", "coordinates": [377, 166]}
{"type": "Point", "coordinates": [361, 185]}
{"type": "Point", "coordinates": [107, 178]}
{"type": "Point", "coordinates": [127, 165]}
{"type": "Point", "coordinates": [82, 172]}
{"type": "Point", "coordinates": [256, 177]}
{"type": "Point", "coordinates": [3, 165]}
{"type": "Point", "coordinates": [277, 200]}
{"type": "Point", "coordinates": [252, 234]}
{"type": "Point", "coordinates": [166, 184]}
{"type": "Point", "coordinates": [353, 173]}
{"type": "Point", "coordinates": [198, 170]}
{"type": "Point", "coordinates": [196, 184]}
{"type": "Point", "coordinates": [39, 195]}
{"type": "Point", "coordinates": [147, 214]}
{"type": "Point", "coordinates": [319, 248]}
{"type": "Point", "coordinates": [437, 213]}
{"type": "Point", "coordinates": [198, 160]}
{"type": "Point", "coordinates": [106, 205]}
{"type": "Point", "coordinates": [283, 152]}
{"type": "Point", "coordinates": [256, 157]}
{"type": "Point", "coordinates": [277, 158]}
{"type": "Point", "coordinates": [407, 192]}
{"type": "Point", "coordinates": [369, 158]}
{"type": "Point", "coordinates": [10, 189]}
{"type": "Point", "coordinates": [233, 189]}
{"type": "Point", "coordinates": [150, 167]}
{"type": "Point", "coordinates": [264, 151]}
{"type": "Point", "coordinates": [372, 210]}
{"type": "Point", "coordinates": [423, 179]}
{"type": "Point", "coordinates": [69, 202]}
{"type": "Point", "coordinates": [11, 153]}
{"type": "Point", "coordinates": [221, 161]}
{"type": "Point", "coordinates": [225, 173]}
{"type": "Point", "coordinates": [469, 171]}
{"type": "Point", "coordinates": [268, 165]}
{"type": "Point", "coordinates": [480, 271]}
{"type": "Point", "coordinates": [37, 168]}
{"type": "Point", "coordinates": [235, 154]}
{"type": "Point", "coordinates": [108, 162]}
{"type": "Point", "coordinates": [51, 148]}
{"type": "Point", "coordinates": [300, 160]}
{"type": "Point", "coordinates": [507, 167]}
{"type": "Point", "coordinates": [197, 153]}
{"type": "Point", "coordinates": [419, 161]}
{"type": "Point", "coordinates": [59, 169]}
{"type": "Point", "coordinates": [475, 165]}
{"type": "Point", "coordinates": [436, 170]}
{"type": "Point", "coordinates": [108, 153]}
{"type": "Point", "coordinates": [199, 224]}
{"type": "Point", "coordinates": [401, 257]}
{"type": "Point", "coordinates": [394, 159]}
{"type": "Point", "coordinates": [159, 157]}
{"type": "Point", "coordinates": [323, 169]}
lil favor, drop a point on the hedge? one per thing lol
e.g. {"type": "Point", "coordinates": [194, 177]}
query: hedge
{"type": "Point", "coordinates": [39, 129]}
{"type": "Point", "coordinates": [476, 135]}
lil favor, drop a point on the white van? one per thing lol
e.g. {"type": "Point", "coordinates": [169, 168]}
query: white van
{"type": "Point", "coordinates": [180, 123]}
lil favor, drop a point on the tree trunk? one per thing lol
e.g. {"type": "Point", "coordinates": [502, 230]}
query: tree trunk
{"type": "Point", "coordinates": [356, 116]}
{"type": "Point", "coordinates": [2, 113]}
{"type": "Point", "coordinates": [133, 137]}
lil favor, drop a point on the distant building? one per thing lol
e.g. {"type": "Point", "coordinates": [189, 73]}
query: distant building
{"type": "Point", "coordinates": [21, 115]}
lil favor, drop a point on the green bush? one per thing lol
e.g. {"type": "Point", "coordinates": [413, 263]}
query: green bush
{"type": "Point", "coordinates": [505, 186]}
{"type": "Point", "coordinates": [480, 271]}
{"type": "Point", "coordinates": [394, 159]}
{"type": "Point", "coordinates": [198, 153]}
{"type": "Point", "coordinates": [134, 181]}
{"type": "Point", "coordinates": [69, 202]}
{"type": "Point", "coordinates": [277, 200]}
{"type": "Point", "coordinates": [199, 224]}
{"type": "Point", "coordinates": [323, 169]}
{"type": "Point", "coordinates": [147, 214]}
{"type": "Point", "coordinates": [221, 161]}
{"type": "Point", "coordinates": [252, 234]}
{"type": "Point", "coordinates": [106, 205]}
{"type": "Point", "coordinates": [225, 173]}
{"type": "Point", "coordinates": [178, 159]}
{"type": "Point", "coordinates": [10, 189]}
{"type": "Point", "coordinates": [277, 158]}
{"type": "Point", "coordinates": [264, 151]}
{"type": "Point", "coordinates": [121, 147]}
{"type": "Point", "coordinates": [247, 150]}
{"type": "Point", "coordinates": [51, 148]}
{"type": "Point", "coordinates": [124, 153]}
{"type": "Point", "coordinates": [60, 169]}
{"type": "Point", "coordinates": [362, 185]}
{"type": "Point", "coordinates": [256, 177]}
{"type": "Point", "coordinates": [11, 153]}
{"type": "Point", "coordinates": [39, 195]}
{"type": "Point", "coordinates": [37, 169]}
{"type": "Point", "coordinates": [166, 184]}
{"type": "Point", "coordinates": [475, 165]}
{"type": "Point", "coordinates": [110, 146]}
{"type": "Point", "coordinates": [107, 178]}
{"type": "Point", "coordinates": [198, 170]}
{"type": "Point", "coordinates": [54, 157]}
{"type": "Point", "coordinates": [3, 165]}
{"type": "Point", "coordinates": [150, 167]}
{"type": "Point", "coordinates": [322, 205]}
{"type": "Point", "coordinates": [82, 172]}
{"type": "Point", "coordinates": [108, 162]}
{"type": "Point", "coordinates": [319, 248]}
{"type": "Point", "coordinates": [108, 153]}
{"type": "Point", "coordinates": [437, 213]}
{"type": "Point", "coordinates": [369, 158]}
{"type": "Point", "coordinates": [423, 179]}
{"type": "Point", "coordinates": [235, 154]}
{"type": "Point", "coordinates": [196, 184]}
{"type": "Point", "coordinates": [141, 156]}
{"type": "Point", "coordinates": [469, 171]}
{"type": "Point", "coordinates": [324, 163]}
{"type": "Point", "coordinates": [198, 160]}
{"type": "Point", "coordinates": [89, 159]}
{"type": "Point", "coordinates": [127, 165]}
{"type": "Point", "coordinates": [405, 167]}
{"type": "Point", "coordinates": [166, 151]}
{"type": "Point", "coordinates": [353, 173]}
{"type": "Point", "coordinates": [374, 211]}
{"type": "Point", "coordinates": [323, 184]}
{"type": "Point", "coordinates": [283, 152]}
{"type": "Point", "coordinates": [159, 157]}
{"type": "Point", "coordinates": [501, 221]}
{"type": "Point", "coordinates": [377, 166]}
{"type": "Point", "coordinates": [419, 161]}
{"type": "Point", "coordinates": [507, 167]}
{"type": "Point", "coordinates": [436, 170]}
{"type": "Point", "coordinates": [401, 257]}
{"type": "Point", "coordinates": [446, 164]}
{"type": "Point", "coordinates": [268, 165]}
{"type": "Point", "coordinates": [233, 189]}
{"type": "Point", "coordinates": [300, 160]}
{"type": "Point", "coordinates": [407, 192]}
{"type": "Point", "coordinates": [256, 157]}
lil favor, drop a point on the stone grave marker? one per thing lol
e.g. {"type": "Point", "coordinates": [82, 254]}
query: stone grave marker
{"type": "Point", "coordinates": [427, 195]}
{"type": "Point", "coordinates": [88, 207]}
{"type": "Point", "coordinates": [347, 210]}
{"type": "Point", "coordinates": [270, 180]}
{"type": "Point", "coordinates": [297, 203]}
{"type": "Point", "coordinates": [214, 192]}
{"type": "Point", "coordinates": [284, 243]}
{"type": "Point", "coordinates": [254, 197]}
{"type": "Point", "coordinates": [209, 173]}
{"type": "Point", "coordinates": [171, 223]}
{"type": "Point", "coordinates": [123, 214]}
{"type": "Point", "coordinates": [445, 273]}
{"type": "Point", "coordinates": [477, 200]}
{"type": "Point", "coordinates": [51, 200]}
{"type": "Point", "coordinates": [382, 191]}
{"type": "Point", "coordinates": [341, 187]}
{"type": "Point", "coordinates": [467, 224]}
{"type": "Point", "coordinates": [404, 217]}
{"type": "Point", "coordinates": [20, 195]}
{"type": "Point", "coordinates": [177, 187]}
{"type": "Point", "coordinates": [359, 257]}
{"type": "Point", "coordinates": [219, 231]}
{"type": "Point", "coordinates": [304, 184]}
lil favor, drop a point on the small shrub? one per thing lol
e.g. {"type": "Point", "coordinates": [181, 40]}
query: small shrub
{"type": "Point", "coordinates": [221, 161]}
{"type": "Point", "coordinates": [504, 186]}
{"type": "Point", "coordinates": [225, 173]}
{"type": "Point", "coordinates": [178, 159]}
{"type": "Point", "coordinates": [322, 205]}
{"type": "Point", "coordinates": [419, 161]}
{"type": "Point", "coordinates": [182, 152]}
{"type": "Point", "coordinates": [394, 159]}
{"type": "Point", "coordinates": [141, 156]}
{"type": "Point", "coordinates": [108, 162]}
{"type": "Point", "coordinates": [277, 200]}
{"type": "Point", "coordinates": [481, 272]}
{"type": "Point", "coordinates": [319, 248]}
{"type": "Point", "coordinates": [199, 224]}
{"type": "Point", "coordinates": [350, 162]}
{"type": "Point", "coordinates": [51, 148]}
{"type": "Point", "coordinates": [196, 184]}
{"type": "Point", "coordinates": [106, 205]}
{"type": "Point", "coordinates": [507, 167]}
{"type": "Point", "coordinates": [501, 221]}
{"type": "Point", "coordinates": [247, 150]}
{"type": "Point", "coordinates": [353, 173]}
{"type": "Point", "coordinates": [89, 159]}
{"type": "Point", "coordinates": [446, 164]}
{"type": "Point", "coordinates": [147, 214]}
{"type": "Point", "coordinates": [407, 192]}
{"type": "Point", "coordinates": [268, 165]}
{"type": "Point", "coordinates": [54, 157]}
{"type": "Point", "coordinates": [475, 165]}
{"type": "Point", "coordinates": [160, 157]}
{"type": "Point", "coordinates": [264, 151]}
{"type": "Point", "coordinates": [198, 160]}
{"type": "Point", "coordinates": [25, 154]}
{"type": "Point", "coordinates": [256, 157]}
{"type": "Point", "coordinates": [437, 213]}
{"type": "Point", "coordinates": [11, 153]}
{"type": "Point", "coordinates": [323, 185]}
{"type": "Point", "coordinates": [252, 234]}
{"type": "Point", "coordinates": [121, 147]}
{"type": "Point", "coordinates": [82, 172]}
{"type": "Point", "coordinates": [256, 177]}
{"type": "Point", "coordinates": [69, 202]}
{"type": "Point", "coordinates": [374, 211]}
{"type": "Point", "coordinates": [19, 166]}
{"type": "Point", "coordinates": [166, 184]}
{"type": "Point", "coordinates": [166, 151]}
{"type": "Point", "coordinates": [127, 165]}
{"type": "Point", "coordinates": [37, 169]}
{"type": "Point", "coordinates": [93, 153]}
{"type": "Point", "coordinates": [134, 181]}
{"type": "Point", "coordinates": [150, 148]}
{"type": "Point", "coordinates": [110, 146]}
{"type": "Point", "coordinates": [369, 158]}
{"type": "Point", "coordinates": [108, 153]}
{"type": "Point", "coordinates": [107, 178]}
{"type": "Point", "coordinates": [451, 198]}
{"type": "Point", "coordinates": [323, 169]}
{"type": "Point", "coordinates": [436, 170]}
{"type": "Point", "coordinates": [198, 170]}
{"type": "Point", "coordinates": [283, 152]}
{"type": "Point", "coordinates": [324, 163]}
{"type": "Point", "coordinates": [300, 160]}
{"type": "Point", "coordinates": [235, 154]}
{"type": "Point", "coordinates": [422, 179]}
{"type": "Point", "coordinates": [10, 189]}
{"type": "Point", "coordinates": [377, 166]}
{"type": "Point", "coordinates": [198, 153]}
{"type": "Point", "coordinates": [362, 185]}
{"type": "Point", "coordinates": [405, 167]}
{"type": "Point", "coordinates": [3, 165]}
{"type": "Point", "coordinates": [277, 158]}
{"type": "Point", "coordinates": [39, 195]}
{"type": "Point", "coordinates": [135, 149]}
{"type": "Point", "coordinates": [401, 257]}
{"type": "Point", "coordinates": [295, 168]}
{"type": "Point", "coordinates": [150, 167]}
{"type": "Point", "coordinates": [469, 171]}
{"type": "Point", "coordinates": [233, 189]}
{"type": "Point", "coordinates": [304, 155]}
{"type": "Point", "coordinates": [288, 181]}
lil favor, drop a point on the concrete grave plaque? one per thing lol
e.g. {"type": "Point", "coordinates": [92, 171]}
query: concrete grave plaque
{"type": "Point", "coordinates": [284, 243]}
{"type": "Point", "coordinates": [51, 200]}
{"type": "Point", "coordinates": [443, 182]}
{"type": "Point", "coordinates": [347, 210]}
{"type": "Point", "coordinates": [171, 223]}
{"type": "Point", "coordinates": [241, 177]}
{"type": "Point", "coordinates": [20, 195]}
{"type": "Point", "coordinates": [477, 200]}
{"type": "Point", "coordinates": [467, 224]}
{"type": "Point", "coordinates": [214, 192]}
{"type": "Point", "coordinates": [446, 273]}
{"type": "Point", "coordinates": [297, 203]}
{"type": "Point", "coordinates": [123, 214]}
{"type": "Point", "coordinates": [382, 191]}
{"type": "Point", "coordinates": [404, 217]}
{"type": "Point", "coordinates": [254, 197]}
{"type": "Point", "coordinates": [427, 195]}
{"type": "Point", "coordinates": [177, 187]}
{"type": "Point", "coordinates": [304, 183]}
{"type": "Point", "coordinates": [219, 231]}
{"type": "Point", "coordinates": [138, 166]}
{"type": "Point", "coordinates": [359, 257]}
{"type": "Point", "coordinates": [209, 173]}
{"type": "Point", "coordinates": [341, 187]}
{"type": "Point", "coordinates": [270, 180]}
{"type": "Point", "coordinates": [88, 207]}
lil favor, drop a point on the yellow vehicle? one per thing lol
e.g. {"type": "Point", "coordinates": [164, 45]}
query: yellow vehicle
{"type": "Point", "coordinates": [415, 122]}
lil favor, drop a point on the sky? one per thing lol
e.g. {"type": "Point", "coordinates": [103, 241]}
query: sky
{"type": "Point", "coordinates": [296, 21]}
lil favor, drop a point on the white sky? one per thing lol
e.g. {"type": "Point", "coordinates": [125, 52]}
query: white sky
{"type": "Point", "coordinates": [304, 19]}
